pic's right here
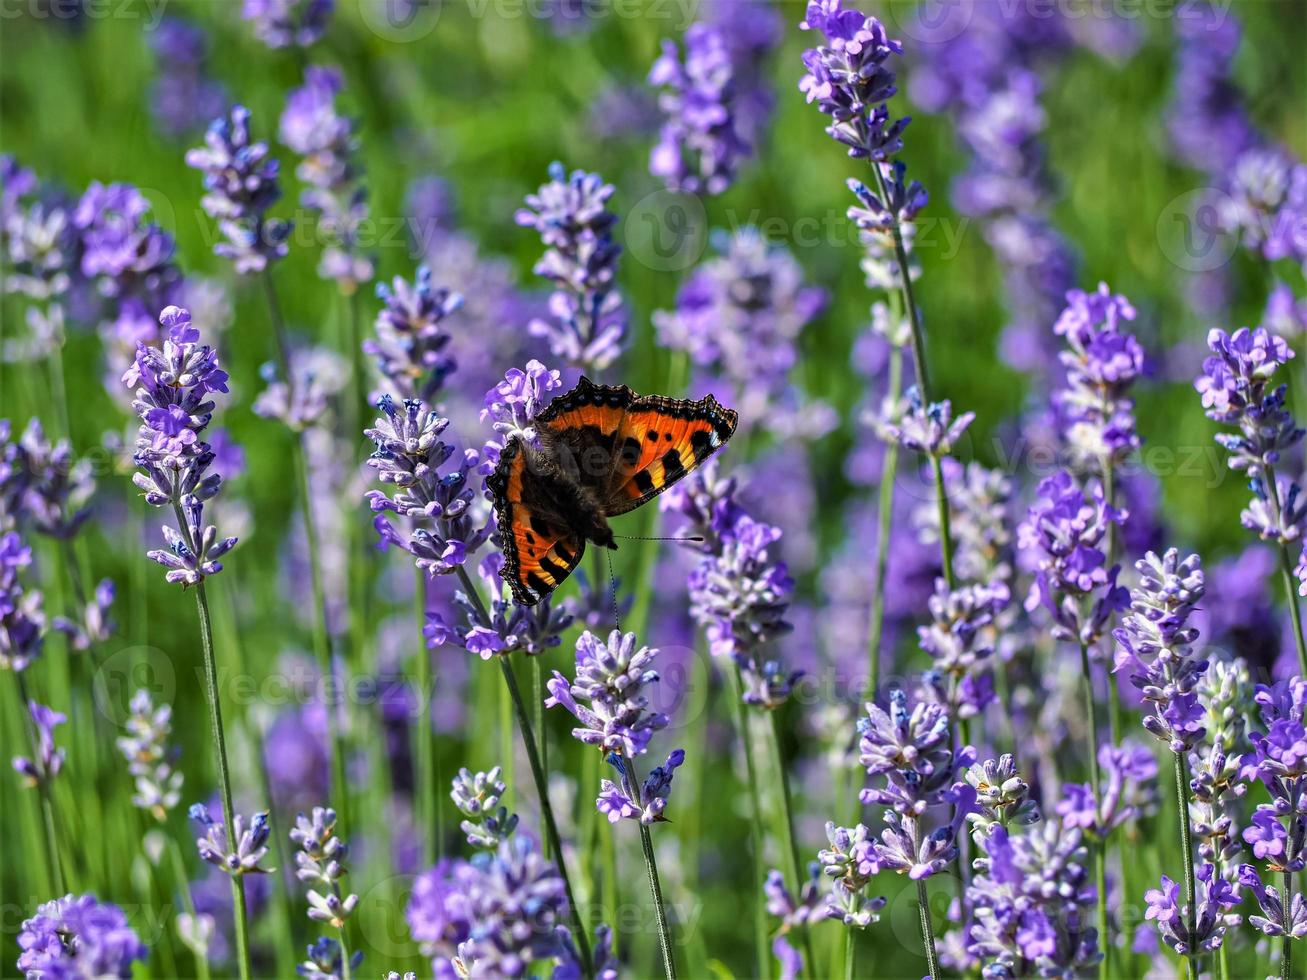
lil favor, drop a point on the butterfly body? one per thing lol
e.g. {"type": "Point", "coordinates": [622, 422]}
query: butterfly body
{"type": "Point", "coordinates": [603, 451]}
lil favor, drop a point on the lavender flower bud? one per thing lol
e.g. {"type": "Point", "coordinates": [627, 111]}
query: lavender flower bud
{"type": "Point", "coordinates": [145, 747]}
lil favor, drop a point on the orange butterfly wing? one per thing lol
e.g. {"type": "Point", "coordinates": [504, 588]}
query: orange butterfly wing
{"type": "Point", "coordinates": [538, 553]}
{"type": "Point", "coordinates": [660, 440]}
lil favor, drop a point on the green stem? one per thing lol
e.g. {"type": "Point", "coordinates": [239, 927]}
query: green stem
{"type": "Point", "coordinates": [278, 325]}
{"type": "Point", "coordinates": [850, 952]}
{"type": "Point", "coordinates": [755, 798]}
{"type": "Point", "coordinates": [651, 869]}
{"type": "Point", "coordinates": [346, 971]}
{"type": "Point", "coordinates": [331, 692]}
{"type": "Point", "coordinates": [884, 518]}
{"type": "Point", "coordinates": [1186, 850]}
{"type": "Point", "coordinates": [1286, 940]}
{"type": "Point", "coordinates": [927, 930]}
{"type": "Point", "coordinates": [787, 827]}
{"type": "Point", "coordinates": [538, 698]}
{"type": "Point", "coordinates": [538, 774]}
{"type": "Point", "coordinates": [1100, 853]}
{"type": "Point", "coordinates": [49, 828]}
{"type": "Point", "coordinates": [423, 736]}
{"type": "Point", "coordinates": [224, 775]}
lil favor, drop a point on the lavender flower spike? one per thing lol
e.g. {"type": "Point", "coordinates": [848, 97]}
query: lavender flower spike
{"type": "Point", "coordinates": [320, 861]}
{"type": "Point", "coordinates": [288, 23]}
{"type": "Point", "coordinates": [78, 936]}
{"type": "Point", "coordinates": [41, 771]}
{"type": "Point", "coordinates": [145, 746]}
{"type": "Point", "coordinates": [476, 796]}
{"type": "Point", "coordinates": [251, 841]}
{"type": "Point", "coordinates": [1216, 897]}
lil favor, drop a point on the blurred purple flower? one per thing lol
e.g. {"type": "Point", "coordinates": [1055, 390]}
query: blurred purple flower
{"type": "Point", "coordinates": [288, 23]}
{"type": "Point", "coordinates": [78, 936]}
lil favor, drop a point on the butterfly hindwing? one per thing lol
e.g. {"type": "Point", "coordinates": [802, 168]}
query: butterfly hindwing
{"type": "Point", "coordinates": [540, 551]}
{"type": "Point", "coordinates": [581, 428]}
{"type": "Point", "coordinates": [660, 440]}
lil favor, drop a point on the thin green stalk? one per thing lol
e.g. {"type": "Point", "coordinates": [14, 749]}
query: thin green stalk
{"type": "Point", "coordinates": [1286, 940]}
{"type": "Point", "coordinates": [224, 775]}
{"type": "Point", "coordinates": [538, 697]}
{"type": "Point", "coordinates": [538, 774]}
{"type": "Point", "coordinates": [755, 828]}
{"type": "Point", "coordinates": [278, 324]}
{"type": "Point", "coordinates": [884, 518]}
{"type": "Point", "coordinates": [1100, 852]}
{"type": "Point", "coordinates": [423, 736]}
{"type": "Point", "coordinates": [1286, 572]}
{"type": "Point", "coordinates": [345, 969]}
{"type": "Point", "coordinates": [49, 828]}
{"type": "Point", "coordinates": [651, 869]}
{"type": "Point", "coordinates": [1186, 850]}
{"type": "Point", "coordinates": [927, 930]}
{"type": "Point", "coordinates": [850, 952]}
{"type": "Point", "coordinates": [787, 827]}
{"type": "Point", "coordinates": [322, 640]}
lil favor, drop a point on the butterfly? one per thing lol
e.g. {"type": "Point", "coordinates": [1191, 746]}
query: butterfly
{"type": "Point", "coordinates": [603, 451]}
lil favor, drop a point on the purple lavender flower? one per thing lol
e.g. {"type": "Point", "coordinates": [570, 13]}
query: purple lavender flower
{"type": "Point", "coordinates": [1278, 832]}
{"type": "Point", "coordinates": [512, 405]}
{"type": "Point", "coordinates": [94, 623]}
{"type": "Point", "coordinates": [623, 802]}
{"type": "Point", "coordinates": [183, 98]}
{"type": "Point", "coordinates": [1129, 789]}
{"type": "Point", "coordinates": [311, 127]}
{"type": "Point", "coordinates": [46, 484]}
{"type": "Point", "coordinates": [1102, 363]}
{"type": "Point", "coordinates": [149, 757]}
{"type": "Point", "coordinates": [699, 148]}
{"type": "Point", "coordinates": [1207, 122]}
{"type": "Point", "coordinates": [516, 901]}
{"type": "Point", "coordinates": [326, 960]}
{"type": "Point", "coordinates": [1062, 532]}
{"type": "Point", "coordinates": [121, 253]}
{"type": "Point", "coordinates": [288, 23]}
{"type": "Point", "coordinates": [475, 796]}
{"type": "Point", "coordinates": [22, 621]}
{"type": "Point", "coordinates": [303, 401]}
{"type": "Point", "coordinates": [795, 913]}
{"type": "Point", "coordinates": [506, 628]}
{"type": "Point", "coordinates": [961, 638]}
{"type": "Point", "coordinates": [1234, 388]}
{"type": "Point", "coordinates": [1273, 921]}
{"type": "Point", "coordinates": [439, 911]}
{"type": "Point", "coordinates": [1031, 902]}
{"type": "Point", "coordinates": [587, 320]}
{"type": "Point", "coordinates": [851, 81]}
{"type": "Point", "coordinates": [78, 936]}
{"type": "Point", "coordinates": [851, 861]}
{"type": "Point", "coordinates": [1225, 692]}
{"type": "Point", "coordinates": [49, 760]}
{"type": "Point", "coordinates": [1215, 897]}
{"type": "Point", "coordinates": [411, 345]}
{"type": "Point", "coordinates": [320, 860]}
{"type": "Point", "coordinates": [1002, 796]}
{"type": "Point", "coordinates": [1266, 203]}
{"type": "Point", "coordinates": [929, 429]}
{"type": "Point", "coordinates": [251, 841]}
{"type": "Point", "coordinates": [1155, 640]}
{"type": "Point", "coordinates": [445, 525]}
{"type": "Point", "coordinates": [39, 243]}
{"type": "Point", "coordinates": [241, 181]}
{"type": "Point", "coordinates": [172, 385]}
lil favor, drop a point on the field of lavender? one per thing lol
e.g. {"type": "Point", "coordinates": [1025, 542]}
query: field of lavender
{"type": "Point", "coordinates": [976, 650]}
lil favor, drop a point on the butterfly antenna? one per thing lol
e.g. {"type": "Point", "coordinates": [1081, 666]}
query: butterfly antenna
{"type": "Point", "coordinates": [640, 537]}
{"type": "Point", "coordinates": [612, 579]}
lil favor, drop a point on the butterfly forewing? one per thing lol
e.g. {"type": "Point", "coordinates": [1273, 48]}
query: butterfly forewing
{"type": "Point", "coordinates": [539, 550]}
{"type": "Point", "coordinates": [660, 441]}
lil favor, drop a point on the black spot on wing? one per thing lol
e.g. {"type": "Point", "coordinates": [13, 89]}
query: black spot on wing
{"type": "Point", "coordinates": [673, 468]}
{"type": "Point", "coordinates": [556, 571]}
{"type": "Point", "coordinates": [702, 443]}
{"type": "Point", "coordinates": [538, 585]}
{"type": "Point", "coordinates": [644, 482]}
{"type": "Point", "coordinates": [541, 527]}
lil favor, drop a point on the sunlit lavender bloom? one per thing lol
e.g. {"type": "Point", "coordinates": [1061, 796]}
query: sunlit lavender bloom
{"type": "Point", "coordinates": [320, 861]}
{"type": "Point", "coordinates": [850, 79]}
{"type": "Point", "coordinates": [326, 960]}
{"type": "Point", "coordinates": [440, 511]}
{"type": "Point", "coordinates": [1278, 832]}
{"type": "Point", "coordinates": [122, 253]}
{"type": "Point", "coordinates": [851, 861]}
{"type": "Point", "coordinates": [1129, 788]}
{"type": "Point", "coordinates": [1235, 390]}
{"type": "Point", "coordinates": [78, 936]}
{"type": "Point", "coordinates": [1002, 797]}
{"type": "Point", "coordinates": [183, 98]}
{"type": "Point", "coordinates": [411, 345]}
{"type": "Point", "coordinates": [40, 249]}
{"type": "Point", "coordinates": [739, 317]}
{"type": "Point", "coordinates": [22, 619]}
{"type": "Point", "coordinates": [808, 908]}
{"type": "Point", "coordinates": [979, 522]}
{"type": "Point", "coordinates": [1270, 900]}
{"type": "Point", "coordinates": [241, 181]}
{"type": "Point", "coordinates": [516, 899]}
{"type": "Point", "coordinates": [961, 637]}
{"type": "Point", "coordinates": [439, 911]}
{"type": "Point", "coordinates": [1225, 693]}
{"type": "Point", "coordinates": [251, 841]}
{"type": "Point", "coordinates": [698, 148]}
{"type": "Point", "coordinates": [1063, 532]}
{"type": "Point", "coordinates": [477, 796]}
{"type": "Point", "coordinates": [1031, 902]}
{"type": "Point", "coordinates": [1285, 314]}
{"type": "Point", "coordinates": [512, 405]}
{"type": "Point", "coordinates": [1102, 363]}
{"type": "Point", "coordinates": [317, 376]}
{"type": "Point", "coordinates": [929, 429]}
{"type": "Point", "coordinates": [49, 486]}
{"type": "Point", "coordinates": [1266, 203]}
{"type": "Point", "coordinates": [1155, 641]}
{"type": "Point", "coordinates": [311, 127]}
{"type": "Point", "coordinates": [1215, 897]}
{"type": "Point", "coordinates": [610, 680]}
{"type": "Point", "coordinates": [587, 321]}
{"type": "Point", "coordinates": [507, 628]}
{"type": "Point", "coordinates": [94, 623]}
{"type": "Point", "coordinates": [622, 802]}
{"type": "Point", "coordinates": [149, 757]}
{"type": "Point", "coordinates": [172, 384]}
{"type": "Point", "coordinates": [288, 23]}
{"type": "Point", "coordinates": [49, 760]}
